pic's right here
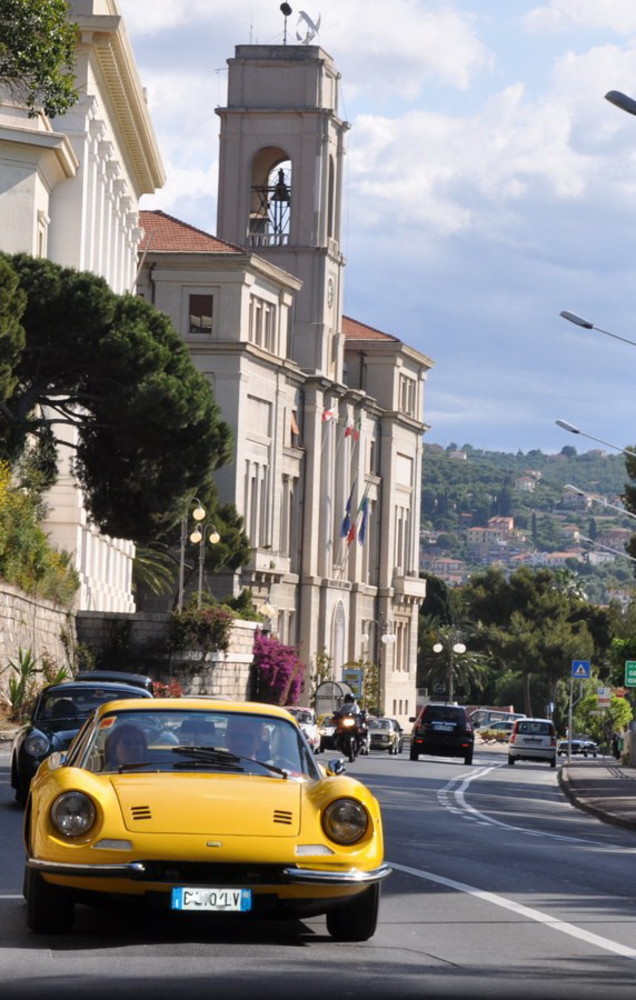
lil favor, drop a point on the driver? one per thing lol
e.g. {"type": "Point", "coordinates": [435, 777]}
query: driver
{"type": "Point", "coordinates": [244, 737]}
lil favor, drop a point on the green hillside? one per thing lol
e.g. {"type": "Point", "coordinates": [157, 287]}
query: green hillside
{"type": "Point", "coordinates": [464, 487]}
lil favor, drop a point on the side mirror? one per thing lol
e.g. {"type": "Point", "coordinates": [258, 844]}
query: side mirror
{"type": "Point", "coordinates": [336, 766]}
{"type": "Point", "coordinates": [57, 760]}
{"type": "Point", "coordinates": [411, 718]}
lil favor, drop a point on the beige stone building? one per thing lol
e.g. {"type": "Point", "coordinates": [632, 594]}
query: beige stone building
{"type": "Point", "coordinates": [326, 412]}
{"type": "Point", "coordinates": [70, 190]}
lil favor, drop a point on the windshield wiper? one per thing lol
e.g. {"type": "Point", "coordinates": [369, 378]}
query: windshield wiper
{"type": "Point", "coordinates": [224, 758]}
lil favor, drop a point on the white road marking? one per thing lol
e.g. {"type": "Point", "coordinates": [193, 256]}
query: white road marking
{"type": "Point", "coordinates": [522, 911]}
{"type": "Point", "coordinates": [470, 812]}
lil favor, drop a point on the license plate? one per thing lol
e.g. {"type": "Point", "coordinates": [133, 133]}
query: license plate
{"type": "Point", "coordinates": [443, 727]}
{"type": "Point", "coordinates": [215, 900]}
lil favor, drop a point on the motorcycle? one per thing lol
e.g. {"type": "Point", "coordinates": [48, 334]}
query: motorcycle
{"type": "Point", "coordinates": [349, 738]}
{"type": "Point", "coordinates": [364, 736]}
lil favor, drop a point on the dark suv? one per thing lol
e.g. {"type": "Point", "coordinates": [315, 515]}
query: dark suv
{"type": "Point", "coordinates": [442, 731]}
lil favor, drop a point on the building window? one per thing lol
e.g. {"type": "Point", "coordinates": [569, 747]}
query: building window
{"type": "Point", "coordinates": [200, 313]}
{"type": "Point", "coordinates": [257, 504]}
{"type": "Point", "coordinates": [407, 391]}
{"type": "Point", "coordinates": [262, 330]}
{"type": "Point", "coordinates": [42, 235]}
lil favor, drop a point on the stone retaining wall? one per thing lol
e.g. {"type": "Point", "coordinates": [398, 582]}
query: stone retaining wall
{"type": "Point", "coordinates": [30, 623]}
{"type": "Point", "coordinates": [27, 623]}
{"type": "Point", "coordinates": [226, 674]}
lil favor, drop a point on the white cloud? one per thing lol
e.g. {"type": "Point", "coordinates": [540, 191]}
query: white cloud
{"type": "Point", "coordinates": [561, 15]}
{"type": "Point", "coordinates": [488, 186]}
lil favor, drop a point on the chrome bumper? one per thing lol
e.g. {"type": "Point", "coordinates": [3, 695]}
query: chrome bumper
{"type": "Point", "coordinates": [137, 871]}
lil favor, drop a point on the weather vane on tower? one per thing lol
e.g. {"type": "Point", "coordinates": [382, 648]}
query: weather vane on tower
{"type": "Point", "coordinates": [306, 28]}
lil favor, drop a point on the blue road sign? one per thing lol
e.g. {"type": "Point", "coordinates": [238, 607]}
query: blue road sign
{"type": "Point", "coordinates": [581, 669]}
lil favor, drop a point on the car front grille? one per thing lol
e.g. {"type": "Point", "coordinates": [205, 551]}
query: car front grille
{"type": "Point", "coordinates": [202, 873]}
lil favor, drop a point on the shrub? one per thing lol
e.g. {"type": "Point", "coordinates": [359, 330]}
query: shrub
{"type": "Point", "coordinates": [277, 672]}
{"type": "Point", "coordinates": [206, 628]}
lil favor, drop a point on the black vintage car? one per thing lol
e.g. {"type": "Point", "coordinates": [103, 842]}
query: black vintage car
{"type": "Point", "coordinates": [57, 716]}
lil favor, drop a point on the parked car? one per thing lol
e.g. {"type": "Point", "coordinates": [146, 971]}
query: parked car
{"type": "Point", "coordinates": [57, 715]}
{"type": "Point", "coordinates": [327, 731]}
{"type": "Point", "coordinates": [306, 719]}
{"type": "Point", "coordinates": [442, 731]}
{"type": "Point", "coordinates": [580, 745]}
{"type": "Point", "coordinates": [533, 739]}
{"type": "Point", "coordinates": [116, 677]}
{"type": "Point", "coordinates": [246, 821]}
{"type": "Point", "coordinates": [386, 734]}
{"type": "Point", "coordinates": [496, 731]}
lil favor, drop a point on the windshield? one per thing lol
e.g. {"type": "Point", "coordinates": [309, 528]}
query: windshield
{"type": "Point", "coordinates": [195, 740]}
{"type": "Point", "coordinates": [72, 703]}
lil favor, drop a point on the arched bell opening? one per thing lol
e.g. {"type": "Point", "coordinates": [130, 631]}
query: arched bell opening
{"type": "Point", "coordinates": [270, 202]}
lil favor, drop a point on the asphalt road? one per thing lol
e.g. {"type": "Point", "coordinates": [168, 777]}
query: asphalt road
{"type": "Point", "coordinates": [501, 889]}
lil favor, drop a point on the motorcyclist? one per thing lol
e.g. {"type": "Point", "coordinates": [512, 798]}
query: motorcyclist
{"type": "Point", "coordinates": [350, 707]}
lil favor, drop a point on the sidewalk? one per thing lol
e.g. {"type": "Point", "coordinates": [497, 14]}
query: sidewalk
{"type": "Point", "coordinates": [602, 786]}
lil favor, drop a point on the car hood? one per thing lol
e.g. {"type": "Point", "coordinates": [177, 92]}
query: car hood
{"type": "Point", "coordinates": [203, 804]}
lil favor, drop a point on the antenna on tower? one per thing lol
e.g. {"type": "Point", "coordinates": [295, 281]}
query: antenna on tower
{"type": "Point", "coordinates": [286, 11]}
{"type": "Point", "coordinates": [311, 28]}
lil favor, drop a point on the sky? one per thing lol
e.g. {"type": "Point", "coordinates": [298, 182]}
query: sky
{"type": "Point", "coordinates": [488, 186]}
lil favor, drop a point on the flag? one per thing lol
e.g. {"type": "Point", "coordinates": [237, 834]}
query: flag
{"type": "Point", "coordinates": [360, 517]}
{"type": "Point", "coordinates": [327, 415]}
{"type": "Point", "coordinates": [353, 430]}
{"type": "Point", "coordinates": [362, 533]}
{"type": "Point", "coordinates": [345, 527]}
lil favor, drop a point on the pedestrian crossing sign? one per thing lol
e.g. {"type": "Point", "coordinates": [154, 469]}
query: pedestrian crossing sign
{"type": "Point", "coordinates": [581, 669]}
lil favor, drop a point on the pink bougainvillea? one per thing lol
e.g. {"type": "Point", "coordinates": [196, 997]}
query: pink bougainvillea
{"type": "Point", "coordinates": [277, 671]}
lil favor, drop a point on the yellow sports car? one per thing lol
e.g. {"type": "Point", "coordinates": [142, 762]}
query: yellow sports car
{"type": "Point", "coordinates": [202, 806]}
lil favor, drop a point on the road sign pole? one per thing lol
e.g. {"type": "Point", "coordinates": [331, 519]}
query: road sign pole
{"type": "Point", "coordinates": [570, 721]}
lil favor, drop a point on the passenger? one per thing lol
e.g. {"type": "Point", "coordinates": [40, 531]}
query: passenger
{"type": "Point", "coordinates": [125, 745]}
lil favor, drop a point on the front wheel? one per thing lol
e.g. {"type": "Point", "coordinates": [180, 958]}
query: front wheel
{"type": "Point", "coordinates": [357, 920]}
{"type": "Point", "coordinates": [50, 908]}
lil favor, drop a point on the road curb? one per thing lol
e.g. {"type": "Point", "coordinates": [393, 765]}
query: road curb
{"type": "Point", "coordinates": [569, 789]}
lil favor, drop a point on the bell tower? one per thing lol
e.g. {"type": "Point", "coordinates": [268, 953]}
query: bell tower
{"type": "Point", "coordinates": [280, 184]}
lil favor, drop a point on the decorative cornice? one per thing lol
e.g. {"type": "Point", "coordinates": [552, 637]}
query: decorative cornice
{"type": "Point", "coordinates": [107, 37]}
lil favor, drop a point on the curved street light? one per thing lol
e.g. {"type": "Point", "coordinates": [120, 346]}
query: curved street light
{"type": "Point", "coordinates": [576, 430]}
{"type": "Point", "coordinates": [587, 325]}
{"type": "Point", "coordinates": [600, 500]}
{"type": "Point", "coordinates": [622, 101]}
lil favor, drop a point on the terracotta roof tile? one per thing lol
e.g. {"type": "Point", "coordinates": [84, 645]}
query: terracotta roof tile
{"type": "Point", "coordinates": [353, 330]}
{"type": "Point", "coordinates": [163, 233]}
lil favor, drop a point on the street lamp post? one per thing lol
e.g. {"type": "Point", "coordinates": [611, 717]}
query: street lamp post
{"type": "Point", "coordinates": [587, 325]}
{"type": "Point", "coordinates": [453, 648]}
{"type": "Point", "coordinates": [576, 430]}
{"type": "Point", "coordinates": [198, 536]}
{"type": "Point", "coordinates": [269, 612]}
{"type": "Point", "coordinates": [600, 500]}
{"type": "Point", "coordinates": [387, 638]}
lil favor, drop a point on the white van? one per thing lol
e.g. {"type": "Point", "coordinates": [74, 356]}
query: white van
{"type": "Point", "coordinates": [533, 739]}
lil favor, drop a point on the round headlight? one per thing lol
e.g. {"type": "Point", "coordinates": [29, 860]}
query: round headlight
{"type": "Point", "coordinates": [36, 745]}
{"type": "Point", "coordinates": [345, 821]}
{"type": "Point", "coordinates": [72, 814]}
